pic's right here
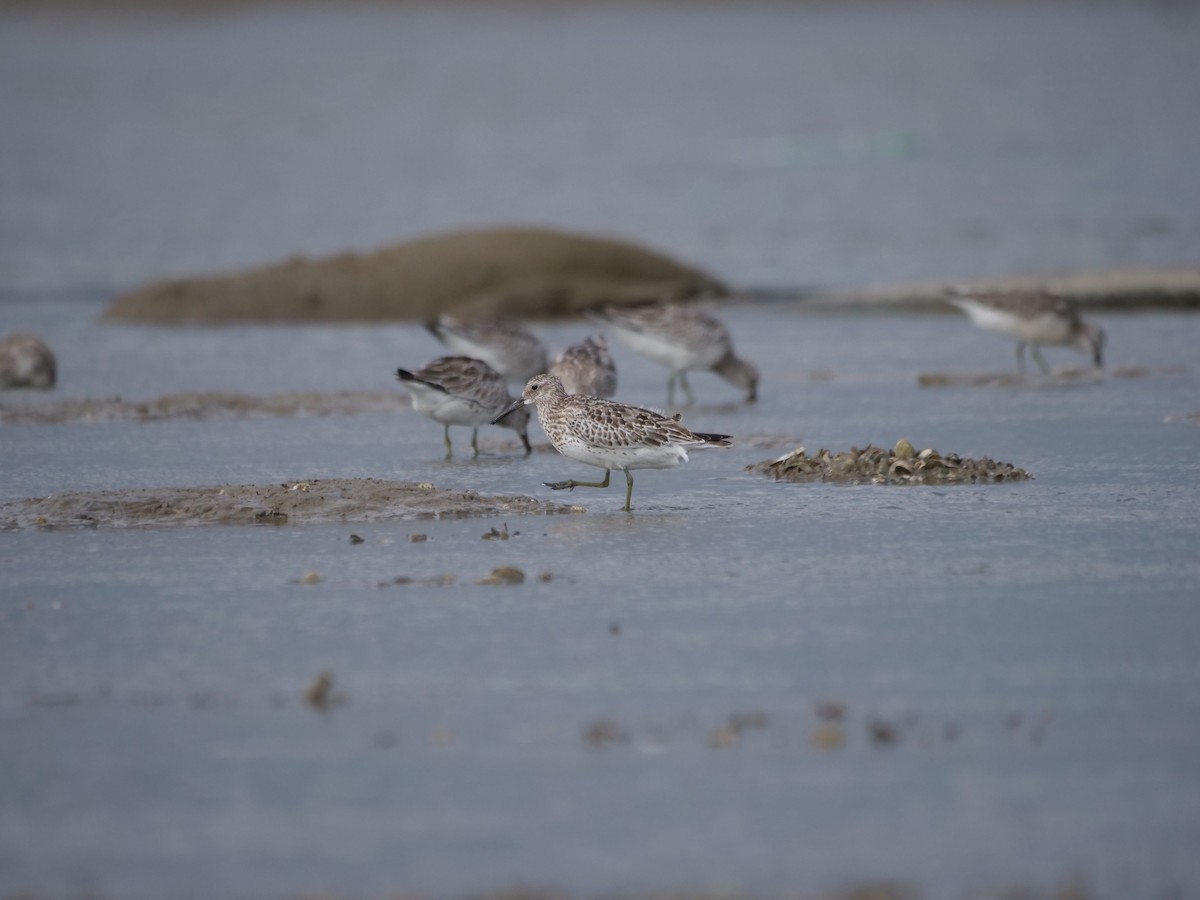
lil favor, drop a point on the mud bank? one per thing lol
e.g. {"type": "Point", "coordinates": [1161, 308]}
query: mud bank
{"type": "Point", "coordinates": [1123, 289]}
{"type": "Point", "coordinates": [290, 503]}
{"type": "Point", "coordinates": [1057, 378]}
{"type": "Point", "coordinates": [523, 272]}
{"type": "Point", "coordinates": [200, 405]}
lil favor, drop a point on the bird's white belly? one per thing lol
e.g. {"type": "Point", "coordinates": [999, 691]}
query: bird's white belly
{"type": "Point", "coordinates": [1042, 329]}
{"type": "Point", "coordinates": [646, 457]}
{"type": "Point", "coordinates": [673, 355]}
{"type": "Point", "coordinates": [449, 409]}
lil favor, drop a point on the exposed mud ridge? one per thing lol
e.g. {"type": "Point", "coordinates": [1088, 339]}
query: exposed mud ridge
{"type": "Point", "coordinates": [875, 465]}
{"type": "Point", "coordinates": [499, 271]}
{"type": "Point", "coordinates": [201, 405]}
{"type": "Point", "coordinates": [1109, 289]}
{"type": "Point", "coordinates": [294, 502]}
{"type": "Point", "coordinates": [1192, 418]}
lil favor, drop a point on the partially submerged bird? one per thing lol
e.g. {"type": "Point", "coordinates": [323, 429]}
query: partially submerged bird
{"type": "Point", "coordinates": [587, 368]}
{"type": "Point", "coordinates": [458, 390]}
{"type": "Point", "coordinates": [1034, 318]}
{"type": "Point", "coordinates": [607, 434]}
{"type": "Point", "coordinates": [682, 338]}
{"type": "Point", "coordinates": [507, 346]}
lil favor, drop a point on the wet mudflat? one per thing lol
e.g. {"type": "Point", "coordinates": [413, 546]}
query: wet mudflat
{"type": "Point", "coordinates": [767, 686]}
{"type": "Point", "coordinates": [298, 502]}
{"type": "Point", "coordinates": [745, 686]}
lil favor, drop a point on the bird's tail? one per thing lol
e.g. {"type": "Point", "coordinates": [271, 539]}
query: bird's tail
{"type": "Point", "coordinates": [407, 376]}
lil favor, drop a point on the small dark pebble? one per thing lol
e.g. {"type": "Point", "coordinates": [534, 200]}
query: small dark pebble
{"type": "Point", "coordinates": [356, 539]}
{"type": "Point", "coordinates": [603, 732]}
{"type": "Point", "coordinates": [883, 732]}
{"type": "Point", "coordinates": [319, 694]}
{"type": "Point", "coordinates": [830, 710]}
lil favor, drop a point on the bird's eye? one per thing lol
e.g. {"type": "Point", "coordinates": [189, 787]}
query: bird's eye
{"type": "Point", "coordinates": [534, 387]}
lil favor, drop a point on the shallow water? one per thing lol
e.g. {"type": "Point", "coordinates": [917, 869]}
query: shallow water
{"type": "Point", "coordinates": [1034, 645]}
{"type": "Point", "coordinates": [775, 144]}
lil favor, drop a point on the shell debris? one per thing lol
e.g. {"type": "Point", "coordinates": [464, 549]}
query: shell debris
{"type": "Point", "coordinates": [877, 465]}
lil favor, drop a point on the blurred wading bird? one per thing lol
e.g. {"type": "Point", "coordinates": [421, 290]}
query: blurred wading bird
{"type": "Point", "coordinates": [1033, 318]}
{"type": "Point", "coordinates": [587, 368]}
{"type": "Point", "coordinates": [681, 338]}
{"type": "Point", "coordinates": [507, 346]}
{"type": "Point", "coordinates": [458, 390]}
{"type": "Point", "coordinates": [607, 434]}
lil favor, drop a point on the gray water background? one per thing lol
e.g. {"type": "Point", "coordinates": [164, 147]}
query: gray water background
{"type": "Point", "coordinates": [775, 144]}
{"type": "Point", "coordinates": [1036, 644]}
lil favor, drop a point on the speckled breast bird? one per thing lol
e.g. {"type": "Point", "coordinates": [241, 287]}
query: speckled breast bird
{"type": "Point", "coordinates": [507, 346]}
{"type": "Point", "coordinates": [609, 435]}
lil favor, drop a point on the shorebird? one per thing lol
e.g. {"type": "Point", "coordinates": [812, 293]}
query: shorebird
{"type": "Point", "coordinates": [682, 338]}
{"type": "Point", "coordinates": [1033, 318]}
{"type": "Point", "coordinates": [26, 361]}
{"type": "Point", "coordinates": [607, 434]}
{"type": "Point", "coordinates": [587, 368]}
{"type": "Point", "coordinates": [507, 346]}
{"type": "Point", "coordinates": [458, 390]}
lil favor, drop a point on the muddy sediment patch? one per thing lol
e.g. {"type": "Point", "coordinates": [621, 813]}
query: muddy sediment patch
{"type": "Point", "coordinates": [201, 405]}
{"type": "Point", "coordinates": [1057, 378]}
{"type": "Point", "coordinates": [295, 503]}
{"type": "Point", "coordinates": [500, 271]}
{"type": "Point", "coordinates": [877, 465]}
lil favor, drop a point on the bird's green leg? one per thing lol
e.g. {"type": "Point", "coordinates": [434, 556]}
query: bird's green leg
{"type": "Point", "coordinates": [1037, 358]}
{"type": "Point", "coordinates": [571, 485]}
{"type": "Point", "coordinates": [628, 489]}
{"type": "Point", "coordinates": [475, 441]}
{"type": "Point", "coordinates": [687, 388]}
{"type": "Point", "coordinates": [1020, 357]}
{"type": "Point", "coordinates": [446, 441]}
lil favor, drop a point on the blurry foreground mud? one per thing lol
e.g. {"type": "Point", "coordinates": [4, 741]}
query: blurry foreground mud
{"type": "Point", "coordinates": [298, 502]}
{"type": "Point", "coordinates": [201, 406]}
{"type": "Point", "coordinates": [875, 465]}
{"type": "Point", "coordinates": [504, 271]}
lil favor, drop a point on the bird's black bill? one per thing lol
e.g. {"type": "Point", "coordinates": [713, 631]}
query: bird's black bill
{"type": "Point", "coordinates": [515, 405]}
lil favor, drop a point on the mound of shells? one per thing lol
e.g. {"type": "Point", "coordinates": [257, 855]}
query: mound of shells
{"type": "Point", "coordinates": [876, 465]}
